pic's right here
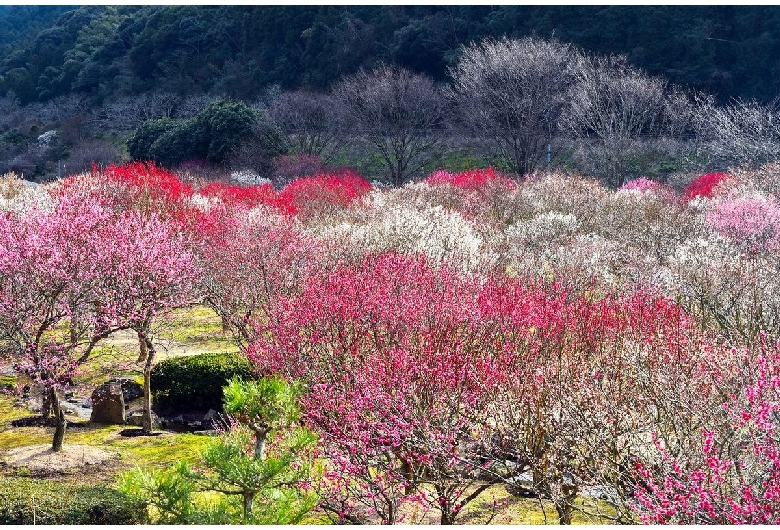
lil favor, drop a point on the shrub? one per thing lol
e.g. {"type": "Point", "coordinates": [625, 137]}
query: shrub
{"type": "Point", "coordinates": [212, 135]}
{"type": "Point", "coordinates": [311, 195]}
{"type": "Point", "coordinates": [183, 140]}
{"type": "Point", "coordinates": [225, 125]}
{"type": "Point", "coordinates": [195, 382]}
{"type": "Point", "coordinates": [30, 501]}
{"type": "Point", "coordinates": [140, 142]}
{"type": "Point", "coordinates": [704, 186]}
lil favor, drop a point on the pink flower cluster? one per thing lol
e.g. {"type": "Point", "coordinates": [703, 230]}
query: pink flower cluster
{"type": "Point", "coordinates": [752, 222]}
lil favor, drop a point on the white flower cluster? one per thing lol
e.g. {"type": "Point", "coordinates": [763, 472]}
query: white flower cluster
{"type": "Point", "coordinates": [46, 138]}
{"type": "Point", "coordinates": [202, 203]}
{"type": "Point", "coordinates": [386, 223]}
{"type": "Point", "coordinates": [246, 177]}
{"type": "Point", "coordinates": [545, 228]}
{"type": "Point", "coordinates": [26, 198]}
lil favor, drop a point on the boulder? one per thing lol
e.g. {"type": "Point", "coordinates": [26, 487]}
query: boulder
{"type": "Point", "coordinates": [211, 415]}
{"type": "Point", "coordinates": [130, 389]}
{"type": "Point", "coordinates": [208, 432]}
{"type": "Point", "coordinates": [108, 404]}
{"type": "Point", "coordinates": [137, 419]}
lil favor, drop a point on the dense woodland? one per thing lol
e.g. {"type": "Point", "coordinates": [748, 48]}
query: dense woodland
{"type": "Point", "coordinates": [107, 51]}
{"type": "Point", "coordinates": [77, 82]}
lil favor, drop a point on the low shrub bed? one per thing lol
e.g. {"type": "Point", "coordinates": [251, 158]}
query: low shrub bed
{"type": "Point", "coordinates": [30, 501]}
{"type": "Point", "coordinates": [194, 383]}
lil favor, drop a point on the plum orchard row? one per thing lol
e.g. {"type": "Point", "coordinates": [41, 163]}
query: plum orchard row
{"type": "Point", "coordinates": [447, 335]}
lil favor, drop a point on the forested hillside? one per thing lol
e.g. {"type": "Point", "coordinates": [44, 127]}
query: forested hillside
{"type": "Point", "coordinates": [105, 51]}
{"type": "Point", "coordinates": [394, 92]}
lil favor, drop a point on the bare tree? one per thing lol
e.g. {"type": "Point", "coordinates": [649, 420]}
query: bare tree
{"type": "Point", "coordinates": [616, 111]}
{"type": "Point", "coordinates": [309, 121]}
{"type": "Point", "coordinates": [743, 132]}
{"type": "Point", "coordinates": [398, 113]}
{"type": "Point", "coordinates": [129, 113]}
{"type": "Point", "coordinates": [190, 106]}
{"type": "Point", "coordinates": [512, 93]}
{"type": "Point", "coordinates": [11, 113]}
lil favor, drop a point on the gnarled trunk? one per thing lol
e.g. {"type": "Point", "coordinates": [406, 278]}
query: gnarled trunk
{"type": "Point", "coordinates": [146, 421]}
{"type": "Point", "coordinates": [249, 501]}
{"type": "Point", "coordinates": [61, 423]}
{"type": "Point", "coordinates": [147, 354]}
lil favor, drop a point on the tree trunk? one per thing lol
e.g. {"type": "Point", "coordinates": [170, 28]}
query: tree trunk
{"type": "Point", "coordinates": [146, 420]}
{"type": "Point", "coordinates": [565, 511]}
{"type": "Point", "coordinates": [143, 350]}
{"type": "Point", "coordinates": [249, 501]}
{"type": "Point", "coordinates": [260, 436]}
{"type": "Point", "coordinates": [46, 406]}
{"type": "Point", "coordinates": [61, 422]}
{"type": "Point", "coordinates": [564, 503]}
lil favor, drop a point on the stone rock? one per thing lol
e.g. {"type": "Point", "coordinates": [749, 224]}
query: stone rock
{"type": "Point", "coordinates": [178, 419]}
{"type": "Point", "coordinates": [211, 415]}
{"type": "Point", "coordinates": [137, 419]}
{"type": "Point", "coordinates": [130, 389]}
{"type": "Point", "coordinates": [209, 432]}
{"type": "Point", "coordinates": [108, 404]}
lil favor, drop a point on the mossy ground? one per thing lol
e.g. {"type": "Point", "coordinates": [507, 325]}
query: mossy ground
{"type": "Point", "coordinates": [191, 331]}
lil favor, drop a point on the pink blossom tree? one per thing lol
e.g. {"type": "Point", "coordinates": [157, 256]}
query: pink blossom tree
{"type": "Point", "coordinates": [151, 271]}
{"type": "Point", "coordinates": [246, 261]}
{"type": "Point", "coordinates": [734, 477]}
{"type": "Point", "coordinates": [148, 252]}
{"type": "Point", "coordinates": [52, 269]}
{"type": "Point", "coordinates": [751, 222]}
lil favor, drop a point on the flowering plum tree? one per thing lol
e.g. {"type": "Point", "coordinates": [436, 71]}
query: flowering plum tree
{"type": "Point", "coordinates": [249, 196]}
{"type": "Point", "coordinates": [151, 271]}
{"type": "Point", "coordinates": [316, 195]}
{"type": "Point", "coordinates": [734, 478]}
{"type": "Point", "coordinates": [704, 185]}
{"type": "Point", "coordinates": [247, 260]}
{"type": "Point", "coordinates": [397, 364]}
{"type": "Point", "coordinates": [52, 265]}
{"type": "Point", "coordinates": [752, 222]}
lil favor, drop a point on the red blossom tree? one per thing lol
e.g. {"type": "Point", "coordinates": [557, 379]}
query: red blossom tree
{"type": "Point", "coordinates": [315, 195]}
{"type": "Point", "coordinates": [470, 180]}
{"type": "Point", "coordinates": [249, 196]}
{"type": "Point", "coordinates": [398, 364]}
{"type": "Point", "coordinates": [704, 186]}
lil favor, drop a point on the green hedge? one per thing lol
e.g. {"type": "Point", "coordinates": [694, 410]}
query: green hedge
{"type": "Point", "coordinates": [30, 501]}
{"type": "Point", "coordinates": [195, 382]}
